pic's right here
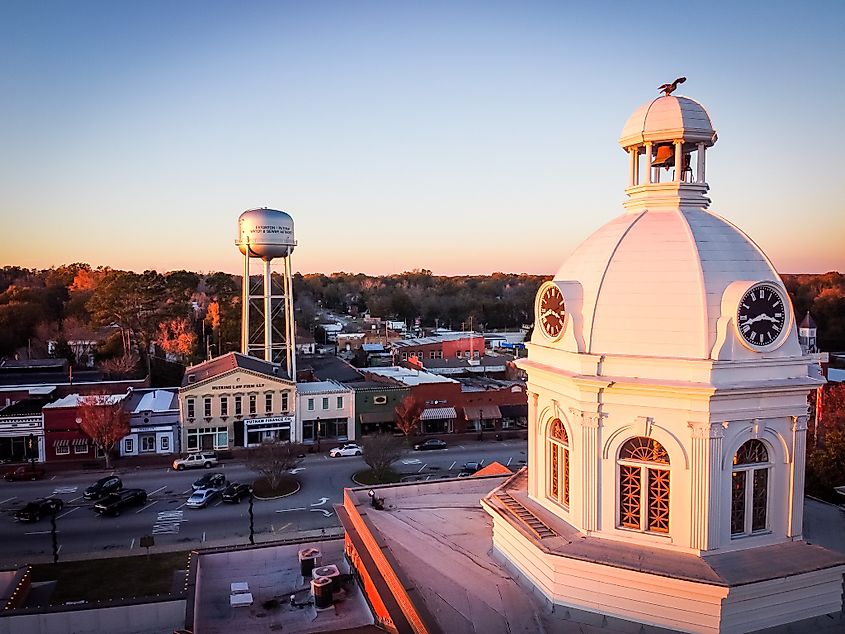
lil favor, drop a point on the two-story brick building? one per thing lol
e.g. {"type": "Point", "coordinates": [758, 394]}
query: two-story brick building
{"type": "Point", "coordinates": [325, 410]}
{"type": "Point", "coordinates": [453, 345]}
{"type": "Point", "coordinates": [235, 401]}
{"type": "Point", "coordinates": [64, 439]}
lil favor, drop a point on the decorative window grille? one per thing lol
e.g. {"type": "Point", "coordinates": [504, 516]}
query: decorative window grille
{"type": "Point", "coordinates": [644, 476]}
{"type": "Point", "coordinates": [558, 449]}
{"type": "Point", "coordinates": [750, 489]}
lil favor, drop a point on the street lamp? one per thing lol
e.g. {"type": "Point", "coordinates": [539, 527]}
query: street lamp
{"type": "Point", "coordinates": [318, 434]}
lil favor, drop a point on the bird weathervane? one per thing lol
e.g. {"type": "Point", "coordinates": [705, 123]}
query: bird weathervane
{"type": "Point", "coordinates": [668, 89]}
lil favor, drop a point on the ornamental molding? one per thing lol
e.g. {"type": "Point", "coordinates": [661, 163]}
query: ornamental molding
{"type": "Point", "coordinates": [706, 430]}
{"type": "Point", "coordinates": [799, 423]}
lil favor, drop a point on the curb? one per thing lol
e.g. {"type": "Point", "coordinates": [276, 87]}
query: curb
{"type": "Point", "coordinates": [279, 497]}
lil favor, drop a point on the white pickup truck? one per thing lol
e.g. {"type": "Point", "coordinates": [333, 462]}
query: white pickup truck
{"type": "Point", "coordinates": [204, 459]}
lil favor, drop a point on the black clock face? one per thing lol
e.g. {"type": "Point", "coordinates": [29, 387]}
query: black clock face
{"type": "Point", "coordinates": [552, 312]}
{"type": "Point", "coordinates": [761, 316]}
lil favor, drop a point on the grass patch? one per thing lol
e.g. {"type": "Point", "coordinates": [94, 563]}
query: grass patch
{"type": "Point", "coordinates": [111, 579]}
{"type": "Point", "coordinates": [366, 477]}
{"type": "Point", "coordinates": [261, 487]}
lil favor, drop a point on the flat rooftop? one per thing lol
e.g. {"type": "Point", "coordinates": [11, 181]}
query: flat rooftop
{"type": "Point", "coordinates": [272, 574]}
{"type": "Point", "coordinates": [440, 541]}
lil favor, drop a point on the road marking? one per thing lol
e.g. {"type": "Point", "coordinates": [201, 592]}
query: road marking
{"type": "Point", "coordinates": [53, 478]}
{"type": "Point", "coordinates": [132, 544]}
{"type": "Point", "coordinates": [144, 508]}
{"type": "Point", "coordinates": [58, 517]}
{"type": "Point", "coordinates": [509, 462]}
{"type": "Point", "coordinates": [167, 470]}
{"type": "Point", "coordinates": [461, 447]}
{"type": "Point", "coordinates": [323, 511]}
{"type": "Point", "coordinates": [411, 461]}
{"type": "Point", "coordinates": [168, 522]}
{"type": "Point", "coordinates": [422, 467]}
{"type": "Point", "coordinates": [297, 470]}
{"type": "Point", "coordinates": [285, 526]}
{"type": "Point", "coordinates": [301, 508]}
{"type": "Point", "coordinates": [452, 466]}
{"type": "Point", "coordinates": [12, 498]}
{"type": "Point", "coordinates": [321, 502]}
{"type": "Point", "coordinates": [219, 502]}
{"type": "Point", "coordinates": [191, 490]}
{"type": "Point", "coordinates": [156, 491]}
{"type": "Point", "coordinates": [203, 537]}
{"type": "Point", "coordinates": [64, 490]}
{"type": "Point", "coordinates": [40, 533]}
{"type": "Point", "coordinates": [78, 497]}
{"type": "Point", "coordinates": [181, 505]}
{"type": "Point", "coordinates": [59, 549]}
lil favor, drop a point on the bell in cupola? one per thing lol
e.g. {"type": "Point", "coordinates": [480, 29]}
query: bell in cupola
{"type": "Point", "coordinates": [665, 157]}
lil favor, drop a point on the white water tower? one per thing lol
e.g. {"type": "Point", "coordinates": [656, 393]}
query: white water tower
{"type": "Point", "coordinates": [267, 324]}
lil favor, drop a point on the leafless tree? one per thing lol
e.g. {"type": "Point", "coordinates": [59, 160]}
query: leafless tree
{"type": "Point", "coordinates": [272, 459]}
{"type": "Point", "coordinates": [408, 414]}
{"type": "Point", "coordinates": [122, 367]}
{"type": "Point", "coordinates": [381, 451]}
{"type": "Point", "coordinates": [104, 421]}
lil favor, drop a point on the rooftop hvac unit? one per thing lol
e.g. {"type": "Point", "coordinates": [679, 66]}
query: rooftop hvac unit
{"type": "Point", "coordinates": [309, 558]}
{"type": "Point", "coordinates": [321, 588]}
{"type": "Point", "coordinates": [330, 572]}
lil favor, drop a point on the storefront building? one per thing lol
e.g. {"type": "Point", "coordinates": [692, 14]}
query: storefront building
{"type": "Point", "coordinates": [375, 406]}
{"type": "Point", "coordinates": [64, 439]}
{"type": "Point", "coordinates": [235, 401]}
{"type": "Point", "coordinates": [22, 431]}
{"type": "Point", "coordinates": [326, 410]}
{"type": "Point", "coordinates": [154, 423]}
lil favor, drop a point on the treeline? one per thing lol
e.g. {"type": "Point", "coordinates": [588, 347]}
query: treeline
{"type": "Point", "coordinates": [187, 315]}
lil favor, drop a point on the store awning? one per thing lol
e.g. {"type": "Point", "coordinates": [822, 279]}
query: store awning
{"type": "Point", "coordinates": [485, 412]}
{"type": "Point", "coordinates": [514, 411]}
{"type": "Point", "coordinates": [438, 413]}
{"type": "Point", "coordinates": [62, 442]}
{"type": "Point", "coordinates": [376, 417]}
{"type": "Point", "coordinates": [80, 442]}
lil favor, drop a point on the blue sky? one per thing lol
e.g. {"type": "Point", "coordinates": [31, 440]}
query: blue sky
{"type": "Point", "coordinates": [462, 137]}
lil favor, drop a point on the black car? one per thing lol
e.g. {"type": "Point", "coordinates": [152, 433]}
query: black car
{"type": "Point", "coordinates": [469, 468]}
{"type": "Point", "coordinates": [431, 443]}
{"type": "Point", "coordinates": [236, 492]}
{"type": "Point", "coordinates": [103, 487]}
{"type": "Point", "coordinates": [116, 502]}
{"type": "Point", "coordinates": [37, 509]}
{"type": "Point", "coordinates": [210, 481]}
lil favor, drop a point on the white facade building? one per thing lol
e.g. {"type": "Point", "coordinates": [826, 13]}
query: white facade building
{"type": "Point", "coordinates": [154, 422]}
{"type": "Point", "coordinates": [325, 410]}
{"type": "Point", "coordinates": [667, 414]}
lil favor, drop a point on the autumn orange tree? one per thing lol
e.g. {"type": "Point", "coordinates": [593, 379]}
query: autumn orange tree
{"type": "Point", "coordinates": [408, 414]}
{"type": "Point", "coordinates": [103, 419]}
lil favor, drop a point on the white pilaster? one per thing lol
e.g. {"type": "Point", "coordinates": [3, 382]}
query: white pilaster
{"type": "Point", "coordinates": [796, 477]}
{"type": "Point", "coordinates": [533, 432]}
{"type": "Point", "coordinates": [705, 472]}
{"type": "Point", "coordinates": [589, 485]}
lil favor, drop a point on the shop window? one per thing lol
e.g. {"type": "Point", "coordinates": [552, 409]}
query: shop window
{"type": "Point", "coordinates": [128, 445]}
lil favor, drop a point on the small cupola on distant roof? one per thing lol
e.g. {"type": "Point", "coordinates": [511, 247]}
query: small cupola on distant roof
{"type": "Point", "coordinates": [666, 140]}
{"type": "Point", "coordinates": [807, 334]}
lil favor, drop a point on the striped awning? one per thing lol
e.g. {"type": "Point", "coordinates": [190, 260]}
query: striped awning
{"type": "Point", "coordinates": [80, 442]}
{"type": "Point", "coordinates": [62, 442]}
{"type": "Point", "coordinates": [438, 413]}
{"type": "Point", "coordinates": [485, 412]}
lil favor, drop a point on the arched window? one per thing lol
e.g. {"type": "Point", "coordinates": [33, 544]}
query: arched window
{"type": "Point", "coordinates": [644, 485]}
{"type": "Point", "coordinates": [558, 451]}
{"type": "Point", "coordinates": [750, 489]}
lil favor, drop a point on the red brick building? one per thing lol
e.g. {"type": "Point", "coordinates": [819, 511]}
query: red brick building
{"type": "Point", "coordinates": [64, 440]}
{"type": "Point", "coordinates": [459, 345]}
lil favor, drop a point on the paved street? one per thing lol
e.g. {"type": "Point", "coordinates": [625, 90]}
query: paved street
{"type": "Point", "coordinates": [166, 517]}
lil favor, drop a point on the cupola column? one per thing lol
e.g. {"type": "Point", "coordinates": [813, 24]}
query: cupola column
{"type": "Point", "coordinates": [679, 161]}
{"type": "Point", "coordinates": [632, 176]}
{"type": "Point", "coordinates": [589, 468]}
{"type": "Point", "coordinates": [648, 169]}
{"type": "Point", "coordinates": [705, 471]}
{"type": "Point", "coordinates": [700, 170]}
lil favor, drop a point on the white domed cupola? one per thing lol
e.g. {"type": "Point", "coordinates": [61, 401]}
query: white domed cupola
{"type": "Point", "coordinates": [666, 140]}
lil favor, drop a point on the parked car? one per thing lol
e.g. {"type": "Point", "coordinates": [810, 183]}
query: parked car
{"type": "Point", "coordinates": [24, 473]}
{"type": "Point", "coordinates": [114, 503]}
{"type": "Point", "coordinates": [469, 468]}
{"type": "Point", "coordinates": [37, 509]}
{"type": "Point", "coordinates": [200, 498]}
{"type": "Point", "coordinates": [236, 492]}
{"type": "Point", "coordinates": [204, 459]}
{"type": "Point", "coordinates": [349, 449]}
{"type": "Point", "coordinates": [210, 481]}
{"type": "Point", "coordinates": [102, 487]}
{"type": "Point", "coordinates": [431, 443]}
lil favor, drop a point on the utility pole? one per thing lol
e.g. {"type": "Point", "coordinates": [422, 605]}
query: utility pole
{"type": "Point", "coordinates": [55, 537]}
{"type": "Point", "coordinates": [251, 519]}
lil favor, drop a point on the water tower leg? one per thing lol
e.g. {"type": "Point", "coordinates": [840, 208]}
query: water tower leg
{"type": "Point", "coordinates": [268, 321]}
{"type": "Point", "coordinates": [245, 307]}
{"type": "Point", "coordinates": [290, 325]}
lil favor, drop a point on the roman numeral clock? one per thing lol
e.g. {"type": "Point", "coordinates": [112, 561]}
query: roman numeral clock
{"type": "Point", "coordinates": [761, 316]}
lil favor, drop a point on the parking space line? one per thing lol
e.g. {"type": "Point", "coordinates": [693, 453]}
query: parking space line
{"type": "Point", "coordinates": [156, 491]}
{"type": "Point", "coordinates": [58, 517]}
{"type": "Point", "coordinates": [452, 466]}
{"type": "Point", "coordinates": [191, 490]}
{"type": "Point", "coordinates": [144, 508]}
{"type": "Point", "coordinates": [219, 502]}
{"type": "Point", "coordinates": [9, 500]}
{"type": "Point", "coordinates": [509, 462]}
{"type": "Point", "coordinates": [39, 533]}
{"type": "Point", "coordinates": [181, 505]}
{"type": "Point", "coordinates": [422, 467]}
{"type": "Point", "coordinates": [203, 537]}
{"type": "Point", "coordinates": [132, 544]}
{"type": "Point", "coordinates": [71, 501]}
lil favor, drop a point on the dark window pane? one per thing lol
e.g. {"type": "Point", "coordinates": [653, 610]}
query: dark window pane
{"type": "Point", "coordinates": [738, 503]}
{"type": "Point", "coordinates": [759, 496]}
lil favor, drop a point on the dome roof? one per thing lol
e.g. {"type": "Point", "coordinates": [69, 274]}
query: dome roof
{"type": "Point", "coordinates": [652, 282]}
{"type": "Point", "coordinates": [668, 119]}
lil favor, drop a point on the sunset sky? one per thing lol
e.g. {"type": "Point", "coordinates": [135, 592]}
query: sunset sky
{"type": "Point", "coordinates": [461, 137]}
